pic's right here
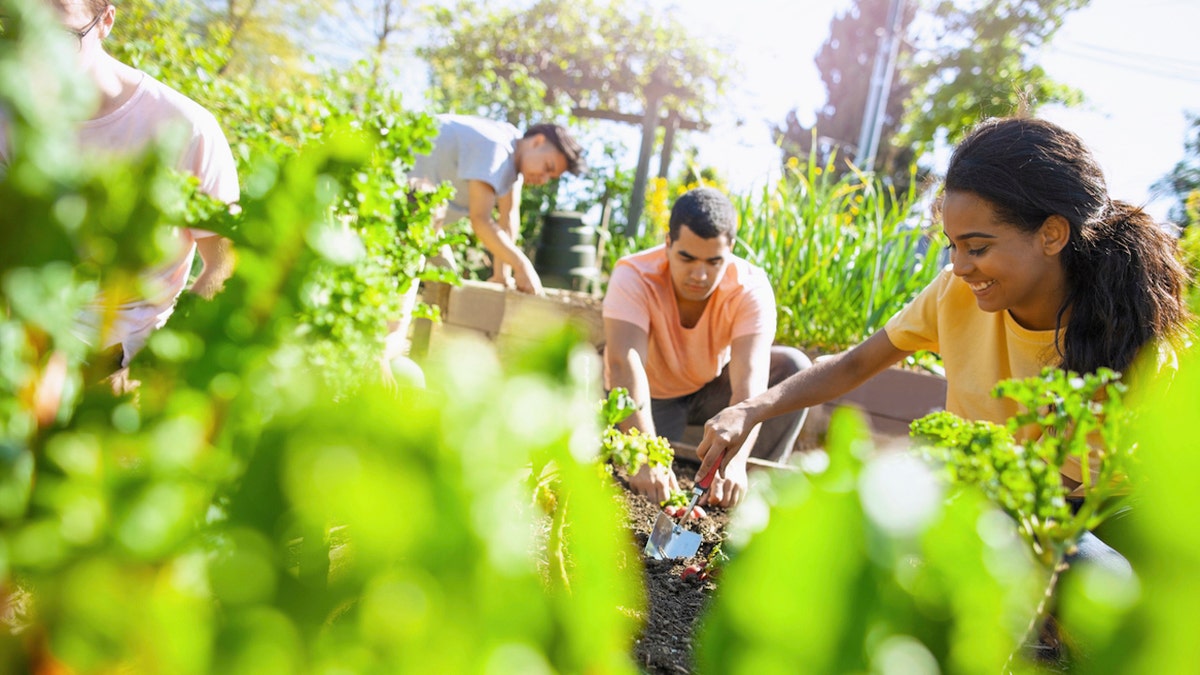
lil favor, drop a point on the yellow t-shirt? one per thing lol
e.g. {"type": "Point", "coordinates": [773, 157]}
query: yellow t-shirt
{"type": "Point", "coordinates": [978, 348]}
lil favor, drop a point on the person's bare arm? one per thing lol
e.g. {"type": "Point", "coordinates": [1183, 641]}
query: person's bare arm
{"type": "Point", "coordinates": [625, 349]}
{"type": "Point", "coordinates": [216, 253]}
{"type": "Point", "coordinates": [749, 372]}
{"type": "Point", "coordinates": [508, 208]}
{"type": "Point", "coordinates": [482, 201]}
{"type": "Point", "coordinates": [825, 380]}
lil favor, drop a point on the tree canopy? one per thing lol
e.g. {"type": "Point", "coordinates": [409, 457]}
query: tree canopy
{"type": "Point", "coordinates": [527, 64]}
{"type": "Point", "coordinates": [1184, 179]}
{"type": "Point", "coordinates": [959, 61]}
{"type": "Point", "coordinates": [974, 60]}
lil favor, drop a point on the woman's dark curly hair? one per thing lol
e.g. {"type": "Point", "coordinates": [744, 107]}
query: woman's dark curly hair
{"type": "Point", "coordinates": [1124, 279]}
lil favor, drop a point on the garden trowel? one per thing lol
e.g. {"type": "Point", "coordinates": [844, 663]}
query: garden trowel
{"type": "Point", "coordinates": [668, 539]}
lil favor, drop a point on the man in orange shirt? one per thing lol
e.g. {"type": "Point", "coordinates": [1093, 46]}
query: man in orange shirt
{"type": "Point", "coordinates": [688, 329]}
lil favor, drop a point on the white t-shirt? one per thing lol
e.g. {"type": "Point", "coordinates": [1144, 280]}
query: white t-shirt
{"type": "Point", "coordinates": [153, 111]}
{"type": "Point", "coordinates": [470, 148]}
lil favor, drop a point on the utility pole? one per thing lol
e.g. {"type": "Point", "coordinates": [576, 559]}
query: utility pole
{"type": "Point", "coordinates": [881, 85]}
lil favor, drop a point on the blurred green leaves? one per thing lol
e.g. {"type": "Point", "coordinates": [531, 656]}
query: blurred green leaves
{"type": "Point", "coordinates": [1080, 418]}
{"type": "Point", "coordinates": [827, 587]}
{"type": "Point", "coordinates": [265, 504]}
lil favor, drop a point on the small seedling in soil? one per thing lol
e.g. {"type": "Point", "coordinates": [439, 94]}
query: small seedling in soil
{"type": "Point", "coordinates": [629, 450]}
{"type": "Point", "coordinates": [710, 569]}
{"type": "Point", "coordinates": [677, 503]}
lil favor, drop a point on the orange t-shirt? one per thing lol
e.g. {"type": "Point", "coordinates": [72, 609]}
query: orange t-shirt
{"type": "Point", "coordinates": [680, 360]}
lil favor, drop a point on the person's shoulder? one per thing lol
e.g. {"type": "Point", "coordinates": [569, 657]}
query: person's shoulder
{"type": "Point", "coordinates": [647, 262]}
{"type": "Point", "coordinates": [170, 100]}
{"type": "Point", "coordinates": [746, 275]}
{"type": "Point", "coordinates": [643, 270]}
{"type": "Point", "coordinates": [481, 126]}
{"type": "Point", "coordinates": [949, 287]}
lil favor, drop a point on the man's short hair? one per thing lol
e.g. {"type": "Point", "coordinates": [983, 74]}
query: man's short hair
{"type": "Point", "coordinates": [706, 211]}
{"type": "Point", "coordinates": [564, 143]}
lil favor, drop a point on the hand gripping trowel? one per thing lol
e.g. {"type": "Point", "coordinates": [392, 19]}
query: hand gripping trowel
{"type": "Point", "coordinates": [668, 539]}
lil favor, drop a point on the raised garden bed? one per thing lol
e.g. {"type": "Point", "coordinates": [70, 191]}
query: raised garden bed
{"type": "Point", "coordinates": [489, 311]}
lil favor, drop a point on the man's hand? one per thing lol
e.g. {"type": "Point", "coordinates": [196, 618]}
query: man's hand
{"type": "Point", "coordinates": [729, 486]}
{"type": "Point", "coordinates": [527, 278]}
{"type": "Point", "coordinates": [218, 257]}
{"type": "Point", "coordinates": [655, 484]}
{"type": "Point", "coordinates": [502, 279]}
{"type": "Point", "coordinates": [122, 384]}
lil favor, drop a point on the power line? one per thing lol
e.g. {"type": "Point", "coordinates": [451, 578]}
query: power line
{"type": "Point", "coordinates": [1168, 3]}
{"type": "Point", "coordinates": [1185, 63]}
{"type": "Point", "coordinates": [1141, 69]}
{"type": "Point", "coordinates": [1132, 60]}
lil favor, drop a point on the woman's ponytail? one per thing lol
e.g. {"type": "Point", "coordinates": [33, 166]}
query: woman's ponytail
{"type": "Point", "coordinates": [1124, 289]}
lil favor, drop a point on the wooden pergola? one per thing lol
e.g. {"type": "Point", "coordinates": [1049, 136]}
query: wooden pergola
{"type": "Point", "coordinates": [649, 122]}
{"type": "Point", "coordinates": [654, 94]}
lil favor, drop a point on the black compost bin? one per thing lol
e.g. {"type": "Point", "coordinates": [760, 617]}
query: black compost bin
{"type": "Point", "coordinates": [566, 252]}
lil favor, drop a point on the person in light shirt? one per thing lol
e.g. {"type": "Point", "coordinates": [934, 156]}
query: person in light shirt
{"type": "Point", "coordinates": [488, 162]}
{"type": "Point", "coordinates": [133, 110]}
{"type": "Point", "coordinates": [688, 328]}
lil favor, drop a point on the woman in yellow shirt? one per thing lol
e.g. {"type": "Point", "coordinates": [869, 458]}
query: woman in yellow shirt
{"type": "Point", "coordinates": [1045, 270]}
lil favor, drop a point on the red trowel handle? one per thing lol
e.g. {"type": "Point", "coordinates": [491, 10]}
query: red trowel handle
{"type": "Point", "coordinates": [701, 487]}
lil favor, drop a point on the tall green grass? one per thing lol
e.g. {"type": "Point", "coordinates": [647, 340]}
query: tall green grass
{"type": "Point", "coordinates": [843, 254]}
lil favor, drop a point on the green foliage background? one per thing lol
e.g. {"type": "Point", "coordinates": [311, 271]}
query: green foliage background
{"type": "Point", "coordinates": [265, 505]}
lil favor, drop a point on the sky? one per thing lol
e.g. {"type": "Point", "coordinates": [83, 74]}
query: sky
{"type": "Point", "coordinates": [1134, 61]}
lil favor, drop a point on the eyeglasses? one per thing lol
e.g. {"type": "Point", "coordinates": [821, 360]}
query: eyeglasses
{"type": "Point", "coordinates": [83, 33]}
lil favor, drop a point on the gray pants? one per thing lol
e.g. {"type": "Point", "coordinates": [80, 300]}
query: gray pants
{"type": "Point", "coordinates": [776, 437]}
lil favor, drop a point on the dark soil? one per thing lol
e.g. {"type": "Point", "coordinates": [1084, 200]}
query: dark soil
{"type": "Point", "coordinates": [673, 604]}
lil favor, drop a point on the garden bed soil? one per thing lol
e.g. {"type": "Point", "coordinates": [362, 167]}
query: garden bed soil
{"type": "Point", "coordinates": [673, 604]}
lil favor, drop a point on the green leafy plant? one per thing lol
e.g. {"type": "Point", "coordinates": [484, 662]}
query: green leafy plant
{"type": "Point", "coordinates": [678, 499]}
{"type": "Point", "coordinates": [629, 450]}
{"type": "Point", "coordinates": [1072, 417]}
{"type": "Point", "coordinates": [1189, 251]}
{"type": "Point", "coordinates": [260, 516]}
{"type": "Point", "coordinates": [1080, 417]}
{"type": "Point", "coordinates": [843, 254]}
{"type": "Point", "coordinates": [880, 570]}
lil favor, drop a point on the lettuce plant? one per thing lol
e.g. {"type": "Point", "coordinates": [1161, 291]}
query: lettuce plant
{"type": "Point", "coordinates": [1079, 416]}
{"type": "Point", "coordinates": [1065, 416]}
{"type": "Point", "coordinates": [629, 450]}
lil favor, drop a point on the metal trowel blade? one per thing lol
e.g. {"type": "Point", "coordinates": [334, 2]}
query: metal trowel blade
{"type": "Point", "coordinates": [668, 539]}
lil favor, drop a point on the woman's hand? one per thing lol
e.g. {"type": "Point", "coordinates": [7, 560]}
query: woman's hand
{"type": "Point", "coordinates": [724, 435]}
